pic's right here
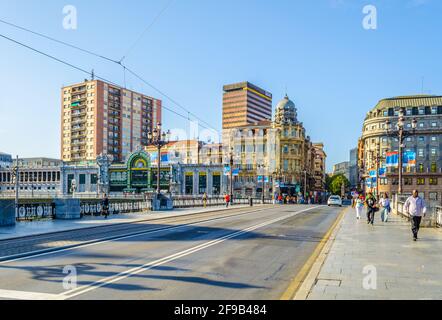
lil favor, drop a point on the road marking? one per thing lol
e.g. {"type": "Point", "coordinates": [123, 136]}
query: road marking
{"type": "Point", "coordinates": [44, 252]}
{"type": "Point", "coordinates": [134, 271]}
{"type": "Point", "coordinates": [294, 286]}
{"type": "Point", "coordinates": [24, 295]}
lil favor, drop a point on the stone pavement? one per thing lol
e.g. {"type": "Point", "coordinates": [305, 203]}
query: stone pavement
{"type": "Point", "coordinates": [23, 229]}
{"type": "Point", "coordinates": [383, 256]}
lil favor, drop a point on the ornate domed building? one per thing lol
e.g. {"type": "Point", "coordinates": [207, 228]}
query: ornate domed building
{"type": "Point", "coordinates": [286, 112]}
{"type": "Point", "coordinates": [278, 149]}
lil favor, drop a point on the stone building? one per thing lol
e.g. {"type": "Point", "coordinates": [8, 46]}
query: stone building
{"type": "Point", "coordinates": [276, 156]}
{"type": "Point", "coordinates": [425, 142]}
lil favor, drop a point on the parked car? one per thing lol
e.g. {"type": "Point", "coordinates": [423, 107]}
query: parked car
{"type": "Point", "coordinates": [334, 201]}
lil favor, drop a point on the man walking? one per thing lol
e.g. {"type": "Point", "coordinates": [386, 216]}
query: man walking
{"type": "Point", "coordinates": [105, 205]}
{"type": "Point", "coordinates": [371, 208]}
{"type": "Point", "coordinates": [416, 209]}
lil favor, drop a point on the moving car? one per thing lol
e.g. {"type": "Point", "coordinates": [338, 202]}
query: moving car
{"type": "Point", "coordinates": [334, 201]}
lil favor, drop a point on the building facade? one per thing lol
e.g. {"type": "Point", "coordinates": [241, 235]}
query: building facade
{"type": "Point", "coordinates": [98, 117]}
{"type": "Point", "coordinates": [244, 104]}
{"type": "Point", "coordinates": [36, 176]}
{"type": "Point", "coordinates": [319, 167]}
{"type": "Point", "coordinates": [342, 168]}
{"type": "Point", "coordinates": [274, 156]}
{"type": "Point", "coordinates": [425, 141]}
{"type": "Point", "coordinates": [5, 160]}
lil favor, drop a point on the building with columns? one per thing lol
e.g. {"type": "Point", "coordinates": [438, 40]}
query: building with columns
{"type": "Point", "coordinates": [425, 141]}
{"type": "Point", "coordinates": [36, 176]}
{"type": "Point", "coordinates": [280, 150]}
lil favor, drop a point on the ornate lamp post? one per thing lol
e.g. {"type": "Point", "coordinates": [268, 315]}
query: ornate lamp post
{"type": "Point", "coordinates": [16, 178]}
{"type": "Point", "coordinates": [231, 162]}
{"type": "Point", "coordinates": [159, 139]}
{"type": "Point", "coordinates": [262, 167]}
{"type": "Point", "coordinates": [401, 134]}
{"type": "Point", "coordinates": [375, 155]}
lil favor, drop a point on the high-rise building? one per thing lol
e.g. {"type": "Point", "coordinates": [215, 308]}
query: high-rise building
{"type": "Point", "coordinates": [353, 169]}
{"type": "Point", "coordinates": [244, 104]}
{"type": "Point", "coordinates": [98, 117]}
{"type": "Point", "coordinates": [425, 142]}
{"type": "Point", "coordinates": [342, 168]}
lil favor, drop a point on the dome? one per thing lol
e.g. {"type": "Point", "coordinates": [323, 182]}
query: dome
{"type": "Point", "coordinates": [286, 112]}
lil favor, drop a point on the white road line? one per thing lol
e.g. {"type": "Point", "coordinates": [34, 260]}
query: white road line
{"type": "Point", "coordinates": [125, 274]}
{"type": "Point", "coordinates": [24, 295]}
{"type": "Point", "coordinates": [35, 254]}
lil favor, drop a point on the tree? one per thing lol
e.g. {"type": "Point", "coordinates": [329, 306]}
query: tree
{"type": "Point", "coordinates": [336, 184]}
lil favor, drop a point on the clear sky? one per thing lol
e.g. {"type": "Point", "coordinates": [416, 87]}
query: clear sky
{"type": "Point", "coordinates": [334, 69]}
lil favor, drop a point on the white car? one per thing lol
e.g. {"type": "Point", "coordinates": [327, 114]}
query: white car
{"type": "Point", "coordinates": [334, 201]}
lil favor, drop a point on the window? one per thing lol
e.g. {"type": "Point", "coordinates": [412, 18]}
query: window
{"type": "Point", "coordinates": [433, 110]}
{"type": "Point", "coordinates": [433, 167]}
{"type": "Point", "coordinates": [408, 181]}
{"type": "Point", "coordinates": [433, 138]}
{"type": "Point", "coordinates": [421, 139]}
{"type": "Point", "coordinates": [421, 125]}
{"type": "Point", "coordinates": [409, 112]}
{"type": "Point", "coordinates": [420, 152]}
{"type": "Point", "coordinates": [433, 181]}
{"type": "Point", "coordinates": [433, 152]}
{"type": "Point", "coordinates": [433, 196]}
{"type": "Point", "coordinates": [421, 167]}
{"type": "Point", "coordinates": [421, 111]}
{"type": "Point", "coordinates": [434, 124]}
{"type": "Point", "coordinates": [420, 181]}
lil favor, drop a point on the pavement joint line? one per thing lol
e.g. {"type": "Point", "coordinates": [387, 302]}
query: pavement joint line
{"type": "Point", "coordinates": [141, 220]}
{"type": "Point", "coordinates": [43, 252]}
{"type": "Point", "coordinates": [128, 273]}
{"type": "Point", "coordinates": [307, 274]}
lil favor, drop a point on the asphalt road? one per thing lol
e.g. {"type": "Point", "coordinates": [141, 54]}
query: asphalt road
{"type": "Point", "coordinates": [248, 254]}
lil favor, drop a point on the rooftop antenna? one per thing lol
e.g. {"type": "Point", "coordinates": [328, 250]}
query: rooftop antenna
{"type": "Point", "coordinates": [422, 88]}
{"type": "Point", "coordinates": [93, 75]}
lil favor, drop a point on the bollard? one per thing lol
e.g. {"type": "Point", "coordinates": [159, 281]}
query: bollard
{"type": "Point", "coordinates": [251, 201]}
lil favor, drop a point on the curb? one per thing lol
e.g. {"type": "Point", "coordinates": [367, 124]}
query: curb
{"type": "Point", "coordinates": [301, 285]}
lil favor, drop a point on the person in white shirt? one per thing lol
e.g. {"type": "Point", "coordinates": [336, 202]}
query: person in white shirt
{"type": "Point", "coordinates": [386, 209]}
{"type": "Point", "coordinates": [415, 207]}
{"type": "Point", "coordinates": [359, 206]}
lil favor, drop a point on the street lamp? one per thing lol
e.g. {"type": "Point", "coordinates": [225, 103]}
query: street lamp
{"type": "Point", "coordinates": [231, 154]}
{"type": "Point", "coordinates": [401, 134]}
{"type": "Point", "coordinates": [375, 155]}
{"type": "Point", "coordinates": [158, 139]}
{"type": "Point", "coordinates": [263, 167]}
{"type": "Point", "coordinates": [16, 178]}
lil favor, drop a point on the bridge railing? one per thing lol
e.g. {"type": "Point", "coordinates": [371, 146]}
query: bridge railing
{"type": "Point", "coordinates": [433, 216]}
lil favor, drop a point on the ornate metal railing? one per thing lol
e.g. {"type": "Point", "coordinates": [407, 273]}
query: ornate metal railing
{"type": "Point", "coordinates": [35, 211]}
{"type": "Point", "coordinates": [95, 208]}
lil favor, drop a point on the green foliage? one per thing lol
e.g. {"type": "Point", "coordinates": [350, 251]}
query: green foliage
{"type": "Point", "coordinates": [335, 184]}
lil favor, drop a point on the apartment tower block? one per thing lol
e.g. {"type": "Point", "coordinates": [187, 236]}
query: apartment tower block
{"type": "Point", "coordinates": [101, 118]}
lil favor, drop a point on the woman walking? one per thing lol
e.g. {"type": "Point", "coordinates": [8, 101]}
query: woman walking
{"type": "Point", "coordinates": [386, 208]}
{"type": "Point", "coordinates": [359, 207]}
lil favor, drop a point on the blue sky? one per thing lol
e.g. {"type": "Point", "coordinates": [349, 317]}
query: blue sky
{"type": "Point", "coordinates": [333, 69]}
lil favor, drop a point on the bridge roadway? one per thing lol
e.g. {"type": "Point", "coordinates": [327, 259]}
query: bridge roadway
{"type": "Point", "coordinates": [246, 253]}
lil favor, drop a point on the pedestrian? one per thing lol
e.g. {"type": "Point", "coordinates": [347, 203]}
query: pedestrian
{"type": "Point", "coordinates": [415, 207]}
{"type": "Point", "coordinates": [227, 199]}
{"type": "Point", "coordinates": [359, 206]}
{"type": "Point", "coordinates": [105, 206]}
{"type": "Point", "coordinates": [205, 200]}
{"type": "Point", "coordinates": [386, 208]}
{"type": "Point", "coordinates": [371, 208]}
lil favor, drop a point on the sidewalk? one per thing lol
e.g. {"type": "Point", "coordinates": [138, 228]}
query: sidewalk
{"type": "Point", "coordinates": [23, 229]}
{"type": "Point", "coordinates": [402, 269]}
